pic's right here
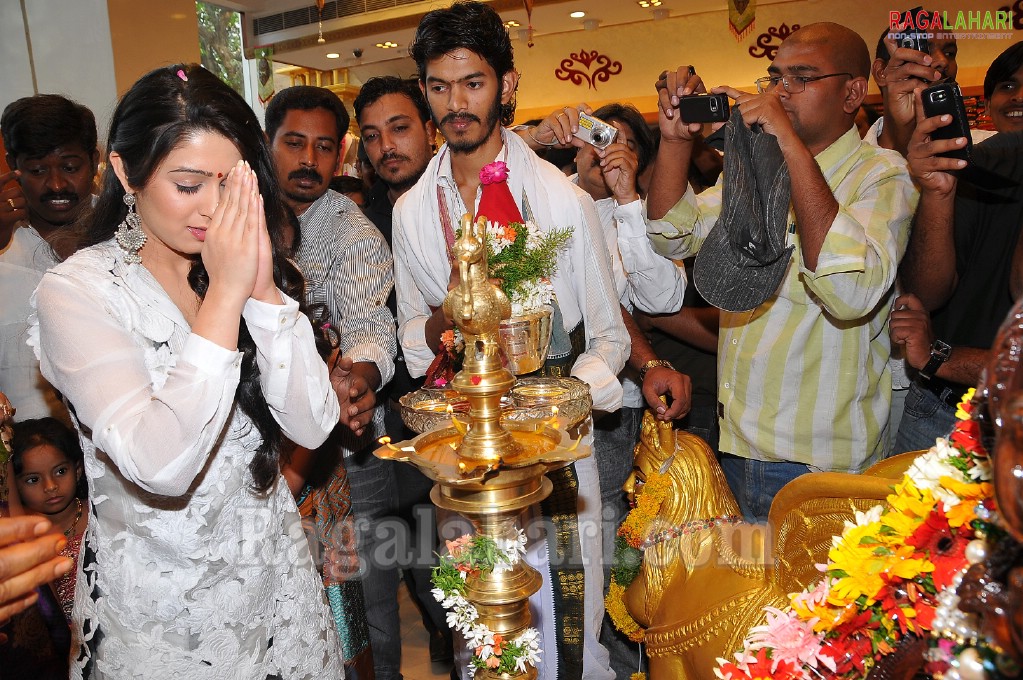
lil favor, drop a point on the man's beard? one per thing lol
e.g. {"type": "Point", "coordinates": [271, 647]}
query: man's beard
{"type": "Point", "coordinates": [469, 145]}
{"type": "Point", "coordinates": [400, 183]}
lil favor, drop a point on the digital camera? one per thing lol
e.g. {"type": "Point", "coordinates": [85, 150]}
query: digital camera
{"type": "Point", "coordinates": [595, 131]}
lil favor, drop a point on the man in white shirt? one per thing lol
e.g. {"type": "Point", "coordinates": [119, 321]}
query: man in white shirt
{"type": "Point", "coordinates": [51, 149]}
{"type": "Point", "coordinates": [347, 266]}
{"type": "Point", "coordinates": [466, 69]}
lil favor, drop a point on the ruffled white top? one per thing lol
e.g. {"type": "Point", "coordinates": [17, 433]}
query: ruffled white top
{"type": "Point", "coordinates": [186, 571]}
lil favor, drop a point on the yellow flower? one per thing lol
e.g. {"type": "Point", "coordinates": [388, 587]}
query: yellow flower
{"type": "Point", "coordinates": [636, 526]}
{"type": "Point", "coordinates": [909, 508]}
{"type": "Point", "coordinates": [971, 494]}
{"type": "Point", "coordinates": [961, 412]}
{"type": "Point", "coordinates": [864, 559]}
{"type": "Point", "coordinates": [620, 616]}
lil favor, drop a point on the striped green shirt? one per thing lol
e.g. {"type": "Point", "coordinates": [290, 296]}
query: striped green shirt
{"type": "Point", "coordinates": [804, 377]}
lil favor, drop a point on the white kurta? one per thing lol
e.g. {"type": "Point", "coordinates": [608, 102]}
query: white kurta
{"type": "Point", "coordinates": [185, 572]}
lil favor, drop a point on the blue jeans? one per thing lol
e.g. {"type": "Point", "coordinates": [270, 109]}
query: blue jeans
{"type": "Point", "coordinates": [703, 422]}
{"type": "Point", "coordinates": [756, 482]}
{"type": "Point", "coordinates": [926, 417]}
{"type": "Point", "coordinates": [374, 497]}
{"type": "Point", "coordinates": [614, 441]}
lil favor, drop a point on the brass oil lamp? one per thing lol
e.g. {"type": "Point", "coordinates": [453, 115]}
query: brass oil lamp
{"type": "Point", "coordinates": [485, 470]}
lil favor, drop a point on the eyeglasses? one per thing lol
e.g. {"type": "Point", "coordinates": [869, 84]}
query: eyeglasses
{"type": "Point", "coordinates": [792, 84]}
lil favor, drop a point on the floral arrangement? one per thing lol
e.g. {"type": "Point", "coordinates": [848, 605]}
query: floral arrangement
{"type": "Point", "coordinates": [521, 255]}
{"type": "Point", "coordinates": [478, 557]}
{"type": "Point", "coordinates": [890, 574]}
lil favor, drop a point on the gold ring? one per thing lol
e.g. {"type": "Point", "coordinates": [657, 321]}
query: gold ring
{"type": "Point", "coordinates": [10, 202]}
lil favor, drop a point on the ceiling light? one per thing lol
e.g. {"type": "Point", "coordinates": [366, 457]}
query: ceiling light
{"type": "Point", "coordinates": [577, 15]}
{"type": "Point", "coordinates": [387, 45]}
{"type": "Point", "coordinates": [511, 23]}
{"type": "Point", "coordinates": [333, 55]}
{"type": "Point", "coordinates": [648, 3]}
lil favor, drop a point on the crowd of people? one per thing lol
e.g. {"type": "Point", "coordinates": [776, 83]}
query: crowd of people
{"type": "Point", "coordinates": [201, 350]}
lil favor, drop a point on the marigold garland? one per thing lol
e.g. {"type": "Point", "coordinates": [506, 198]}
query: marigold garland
{"type": "Point", "coordinates": [628, 558]}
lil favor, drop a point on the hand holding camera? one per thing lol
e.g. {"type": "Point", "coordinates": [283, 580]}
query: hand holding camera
{"type": "Point", "coordinates": [671, 87]}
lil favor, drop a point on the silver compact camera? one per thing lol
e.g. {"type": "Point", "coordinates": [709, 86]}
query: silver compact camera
{"type": "Point", "coordinates": [595, 131]}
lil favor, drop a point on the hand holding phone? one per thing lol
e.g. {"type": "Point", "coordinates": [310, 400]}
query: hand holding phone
{"type": "Point", "coordinates": [703, 108]}
{"type": "Point", "coordinates": [946, 98]}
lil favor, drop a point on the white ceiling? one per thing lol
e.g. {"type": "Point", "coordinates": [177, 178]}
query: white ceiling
{"type": "Point", "coordinates": [550, 17]}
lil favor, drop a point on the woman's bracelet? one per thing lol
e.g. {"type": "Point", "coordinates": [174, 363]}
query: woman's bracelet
{"type": "Point", "coordinates": [533, 137]}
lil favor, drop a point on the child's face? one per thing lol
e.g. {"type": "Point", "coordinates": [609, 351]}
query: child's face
{"type": "Point", "coordinates": [47, 481]}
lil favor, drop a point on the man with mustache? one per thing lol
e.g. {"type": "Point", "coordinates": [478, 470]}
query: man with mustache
{"type": "Point", "coordinates": [398, 141]}
{"type": "Point", "coordinates": [348, 268]}
{"type": "Point", "coordinates": [467, 72]}
{"type": "Point", "coordinates": [51, 150]}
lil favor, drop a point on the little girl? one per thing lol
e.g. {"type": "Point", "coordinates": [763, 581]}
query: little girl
{"type": "Point", "coordinates": [48, 467]}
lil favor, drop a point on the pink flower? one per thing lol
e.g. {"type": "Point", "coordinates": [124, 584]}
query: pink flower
{"type": "Point", "coordinates": [456, 546]}
{"type": "Point", "coordinates": [494, 172]}
{"type": "Point", "coordinates": [790, 639]}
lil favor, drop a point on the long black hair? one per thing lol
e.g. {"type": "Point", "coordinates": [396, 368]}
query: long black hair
{"type": "Point", "coordinates": [160, 111]}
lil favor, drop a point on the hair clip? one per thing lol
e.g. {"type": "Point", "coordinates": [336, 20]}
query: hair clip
{"type": "Point", "coordinates": [181, 74]}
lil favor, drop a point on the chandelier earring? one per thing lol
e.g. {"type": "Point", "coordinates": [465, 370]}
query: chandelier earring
{"type": "Point", "coordinates": [130, 236]}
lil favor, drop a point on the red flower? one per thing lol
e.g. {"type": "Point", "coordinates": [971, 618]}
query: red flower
{"type": "Point", "coordinates": [944, 546]}
{"type": "Point", "coordinates": [934, 535]}
{"type": "Point", "coordinates": [966, 436]}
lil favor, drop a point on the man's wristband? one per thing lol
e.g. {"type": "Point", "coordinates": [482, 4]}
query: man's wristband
{"type": "Point", "coordinates": [653, 363]}
{"type": "Point", "coordinates": [940, 352]}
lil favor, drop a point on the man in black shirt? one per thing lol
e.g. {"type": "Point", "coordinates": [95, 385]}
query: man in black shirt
{"type": "Point", "coordinates": [397, 138]}
{"type": "Point", "coordinates": [961, 252]}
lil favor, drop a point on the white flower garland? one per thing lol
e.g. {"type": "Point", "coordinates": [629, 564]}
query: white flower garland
{"type": "Point", "coordinates": [463, 617]}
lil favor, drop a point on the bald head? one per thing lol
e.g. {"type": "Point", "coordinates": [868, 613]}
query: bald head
{"type": "Point", "coordinates": [844, 47]}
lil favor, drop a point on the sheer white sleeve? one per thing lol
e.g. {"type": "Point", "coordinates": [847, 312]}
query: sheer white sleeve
{"type": "Point", "coordinates": [294, 378]}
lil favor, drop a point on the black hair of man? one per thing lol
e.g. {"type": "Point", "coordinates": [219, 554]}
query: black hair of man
{"type": "Point", "coordinates": [630, 115]}
{"type": "Point", "coordinates": [1003, 68]}
{"type": "Point", "coordinates": [375, 88]}
{"type": "Point", "coordinates": [35, 126]}
{"type": "Point", "coordinates": [469, 25]}
{"type": "Point", "coordinates": [305, 98]}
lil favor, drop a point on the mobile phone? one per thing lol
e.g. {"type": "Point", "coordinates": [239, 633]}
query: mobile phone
{"type": "Point", "coordinates": [947, 98]}
{"type": "Point", "coordinates": [703, 108]}
{"type": "Point", "coordinates": [914, 39]}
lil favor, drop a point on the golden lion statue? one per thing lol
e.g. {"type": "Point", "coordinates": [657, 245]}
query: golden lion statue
{"type": "Point", "coordinates": [706, 577]}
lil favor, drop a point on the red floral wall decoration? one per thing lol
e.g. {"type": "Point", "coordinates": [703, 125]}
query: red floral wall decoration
{"type": "Point", "coordinates": [764, 48]}
{"type": "Point", "coordinates": [588, 66]}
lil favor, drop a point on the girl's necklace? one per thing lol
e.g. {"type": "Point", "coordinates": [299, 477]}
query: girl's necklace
{"type": "Point", "coordinates": [78, 515]}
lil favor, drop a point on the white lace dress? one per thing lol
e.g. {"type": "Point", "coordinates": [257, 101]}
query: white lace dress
{"type": "Point", "coordinates": [186, 572]}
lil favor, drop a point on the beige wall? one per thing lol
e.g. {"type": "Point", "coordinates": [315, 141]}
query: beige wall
{"type": "Point", "coordinates": [147, 35]}
{"type": "Point", "coordinates": [645, 49]}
